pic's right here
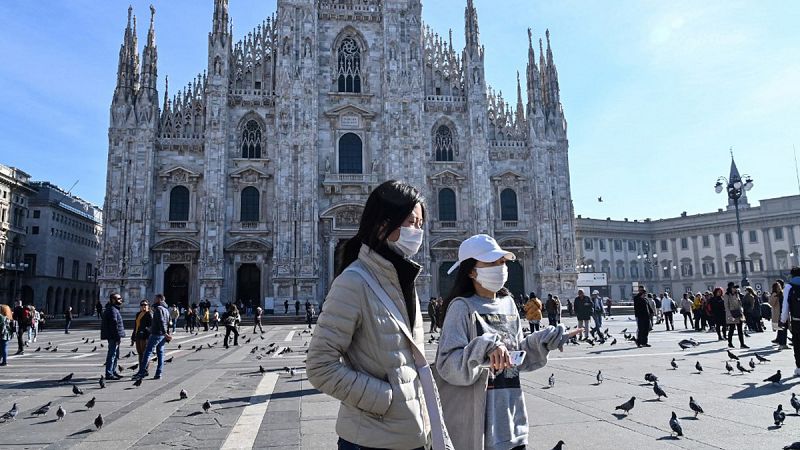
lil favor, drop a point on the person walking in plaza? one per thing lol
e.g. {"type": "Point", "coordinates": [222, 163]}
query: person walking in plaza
{"type": "Point", "coordinates": [215, 320]}
{"type": "Point", "coordinates": [752, 310]}
{"type": "Point", "coordinates": [231, 319]}
{"type": "Point", "coordinates": [474, 368]}
{"type": "Point", "coordinates": [297, 307]}
{"type": "Point", "coordinates": [698, 314]}
{"type": "Point", "coordinates": [366, 338]}
{"type": "Point", "coordinates": [533, 312]}
{"type": "Point", "coordinates": [432, 313]}
{"type": "Point", "coordinates": [686, 310]}
{"type": "Point", "coordinates": [716, 306]}
{"type": "Point", "coordinates": [583, 311]}
{"type": "Point", "coordinates": [141, 330]}
{"type": "Point", "coordinates": [33, 331]}
{"type": "Point", "coordinates": [67, 319]}
{"type": "Point", "coordinates": [597, 310]}
{"type": "Point", "coordinates": [257, 319]}
{"type": "Point", "coordinates": [570, 308]}
{"type": "Point", "coordinates": [790, 313]}
{"type": "Point", "coordinates": [205, 317]}
{"type": "Point", "coordinates": [668, 308]}
{"type": "Point", "coordinates": [776, 301]}
{"type": "Point", "coordinates": [6, 332]}
{"type": "Point", "coordinates": [733, 314]}
{"type": "Point", "coordinates": [20, 316]}
{"type": "Point", "coordinates": [112, 329]}
{"type": "Point", "coordinates": [159, 337]}
{"type": "Point", "coordinates": [608, 307]}
{"type": "Point", "coordinates": [644, 321]}
{"type": "Point", "coordinates": [174, 314]}
{"type": "Point", "coordinates": [310, 316]}
{"type": "Point", "coordinates": [98, 308]}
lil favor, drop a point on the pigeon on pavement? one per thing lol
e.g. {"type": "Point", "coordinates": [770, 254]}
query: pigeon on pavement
{"type": "Point", "coordinates": [261, 369]}
{"type": "Point", "coordinates": [206, 406]}
{"type": "Point", "coordinates": [42, 411]}
{"type": "Point", "coordinates": [76, 390]}
{"type": "Point", "coordinates": [698, 367]}
{"type": "Point", "coordinates": [90, 403]}
{"type": "Point", "coordinates": [795, 402]}
{"type": "Point", "coordinates": [183, 394]}
{"type": "Point", "coordinates": [552, 380]}
{"type": "Point", "coordinates": [650, 378]}
{"type": "Point", "coordinates": [793, 446]}
{"type": "Point", "coordinates": [659, 392]}
{"type": "Point", "coordinates": [761, 359]}
{"type": "Point", "coordinates": [613, 341]}
{"type": "Point", "coordinates": [169, 360]}
{"type": "Point", "coordinates": [752, 364]}
{"type": "Point", "coordinates": [98, 421]}
{"type": "Point", "coordinates": [627, 406]}
{"type": "Point", "coordinates": [741, 368]}
{"type": "Point", "coordinates": [687, 343]}
{"type": "Point", "coordinates": [675, 425]}
{"type": "Point", "coordinates": [728, 367]}
{"type": "Point", "coordinates": [61, 412]}
{"type": "Point", "coordinates": [599, 377]}
{"type": "Point", "coordinates": [560, 446]}
{"type": "Point", "coordinates": [694, 406]}
{"type": "Point", "coordinates": [775, 378]}
{"type": "Point", "coordinates": [102, 382]}
{"type": "Point", "coordinates": [779, 416]}
{"type": "Point", "coordinates": [67, 378]}
{"type": "Point", "coordinates": [11, 414]}
{"type": "Point", "coordinates": [732, 357]}
{"type": "Point", "coordinates": [673, 364]}
{"type": "Point", "coordinates": [75, 350]}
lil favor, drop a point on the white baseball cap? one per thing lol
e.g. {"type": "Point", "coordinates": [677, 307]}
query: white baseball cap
{"type": "Point", "coordinates": [483, 248]}
{"type": "Point", "coordinates": [595, 292]}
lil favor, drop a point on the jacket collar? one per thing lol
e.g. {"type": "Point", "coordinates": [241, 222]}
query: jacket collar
{"type": "Point", "coordinates": [389, 263]}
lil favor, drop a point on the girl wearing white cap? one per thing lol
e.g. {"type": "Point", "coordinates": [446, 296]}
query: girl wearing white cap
{"type": "Point", "coordinates": [478, 360]}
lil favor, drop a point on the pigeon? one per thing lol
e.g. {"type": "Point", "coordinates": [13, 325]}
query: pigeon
{"type": "Point", "coordinates": [133, 367]}
{"type": "Point", "coordinates": [261, 369]}
{"type": "Point", "coordinates": [67, 378]}
{"type": "Point", "coordinates": [698, 367]}
{"type": "Point", "coordinates": [560, 446]}
{"type": "Point", "coordinates": [184, 395]}
{"type": "Point", "coordinates": [659, 392]}
{"type": "Point", "coordinates": [198, 349]}
{"type": "Point", "coordinates": [752, 364]}
{"type": "Point", "coordinates": [687, 343]}
{"type": "Point", "coordinates": [90, 403]}
{"type": "Point", "coordinates": [694, 406]}
{"type": "Point", "coordinates": [128, 355]}
{"type": "Point", "coordinates": [98, 421]}
{"type": "Point", "coordinates": [741, 368]}
{"type": "Point", "coordinates": [169, 360]}
{"type": "Point", "coordinates": [74, 350]}
{"type": "Point", "coordinates": [76, 390]}
{"type": "Point", "coordinates": [11, 414]}
{"type": "Point", "coordinates": [206, 406]}
{"type": "Point", "coordinates": [650, 378]}
{"type": "Point", "coordinates": [624, 330]}
{"type": "Point", "coordinates": [55, 349]}
{"type": "Point", "coordinates": [94, 349]}
{"type": "Point", "coordinates": [761, 359]}
{"type": "Point", "coordinates": [795, 402]}
{"type": "Point", "coordinates": [209, 345]}
{"type": "Point", "coordinates": [627, 406]}
{"type": "Point", "coordinates": [792, 446]}
{"type": "Point", "coordinates": [38, 349]}
{"type": "Point", "coordinates": [779, 416]}
{"type": "Point", "coordinates": [120, 368]}
{"type": "Point", "coordinates": [613, 341]}
{"type": "Point", "coordinates": [61, 412]}
{"type": "Point", "coordinates": [728, 367]}
{"type": "Point", "coordinates": [732, 357]}
{"type": "Point", "coordinates": [138, 382]}
{"type": "Point", "coordinates": [673, 364]}
{"type": "Point", "coordinates": [775, 378]}
{"type": "Point", "coordinates": [43, 410]}
{"type": "Point", "coordinates": [599, 377]}
{"type": "Point", "coordinates": [102, 382]}
{"type": "Point", "coordinates": [552, 380]}
{"type": "Point", "coordinates": [179, 346]}
{"type": "Point", "coordinates": [675, 425]}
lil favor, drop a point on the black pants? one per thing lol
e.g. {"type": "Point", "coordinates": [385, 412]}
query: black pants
{"type": "Point", "coordinates": [795, 326]}
{"type": "Point", "coordinates": [643, 330]}
{"type": "Point", "coordinates": [720, 329]}
{"type": "Point", "coordinates": [738, 327]}
{"type": "Point", "coordinates": [21, 331]}
{"type": "Point", "coordinates": [687, 319]}
{"type": "Point", "coordinates": [257, 324]}
{"type": "Point", "coordinates": [668, 320]}
{"type": "Point", "coordinates": [534, 325]}
{"type": "Point", "coordinates": [228, 331]}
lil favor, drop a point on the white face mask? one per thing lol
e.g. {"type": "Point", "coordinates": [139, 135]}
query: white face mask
{"type": "Point", "coordinates": [492, 278]}
{"type": "Point", "coordinates": [409, 242]}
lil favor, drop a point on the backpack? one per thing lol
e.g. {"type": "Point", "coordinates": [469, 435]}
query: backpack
{"type": "Point", "coordinates": [794, 301]}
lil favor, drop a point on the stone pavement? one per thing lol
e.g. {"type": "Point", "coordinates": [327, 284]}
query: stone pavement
{"type": "Point", "coordinates": [278, 410]}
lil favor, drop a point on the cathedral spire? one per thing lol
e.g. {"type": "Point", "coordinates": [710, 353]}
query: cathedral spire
{"type": "Point", "coordinates": [520, 113]}
{"type": "Point", "coordinates": [150, 56]}
{"type": "Point", "coordinates": [220, 24]}
{"type": "Point", "coordinates": [128, 65]}
{"type": "Point", "coordinates": [552, 79]}
{"type": "Point", "coordinates": [532, 72]}
{"type": "Point", "coordinates": [471, 28]}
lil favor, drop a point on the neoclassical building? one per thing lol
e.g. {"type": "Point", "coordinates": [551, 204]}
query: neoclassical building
{"type": "Point", "coordinates": [244, 183]}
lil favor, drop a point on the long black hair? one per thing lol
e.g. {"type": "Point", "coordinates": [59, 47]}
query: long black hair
{"type": "Point", "coordinates": [463, 287]}
{"type": "Point", "coordinates": [388, 206]}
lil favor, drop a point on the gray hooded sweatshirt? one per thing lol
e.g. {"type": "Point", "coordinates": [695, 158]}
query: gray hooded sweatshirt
{"type": "Point", "coordinates": [483, 409]}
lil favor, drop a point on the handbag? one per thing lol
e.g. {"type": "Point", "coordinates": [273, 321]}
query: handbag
{"type": "Point", "coordinates": [736, 313]}
{"type": "Point", "coordinates": [440, 439]}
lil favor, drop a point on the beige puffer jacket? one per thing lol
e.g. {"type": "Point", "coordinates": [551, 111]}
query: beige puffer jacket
{"type": "Point", "coordinates": [359, 356]}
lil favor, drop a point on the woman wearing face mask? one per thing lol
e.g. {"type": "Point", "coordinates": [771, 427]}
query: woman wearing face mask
{"type": "Point", "coordinates": [359, 353]}
{"type": "Point", "coordinates": [478, 383]}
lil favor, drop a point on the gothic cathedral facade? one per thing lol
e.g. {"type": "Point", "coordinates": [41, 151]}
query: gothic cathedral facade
{"type": "Point", "coordinates": [243, 184]}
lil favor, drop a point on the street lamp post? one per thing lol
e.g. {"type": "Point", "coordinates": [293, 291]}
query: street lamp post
{"type": "Point", "coordinates": [736, 186]}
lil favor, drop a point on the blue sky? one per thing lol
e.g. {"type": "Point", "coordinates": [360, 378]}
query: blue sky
{"type": "Point", "coordinates": [654, 92]}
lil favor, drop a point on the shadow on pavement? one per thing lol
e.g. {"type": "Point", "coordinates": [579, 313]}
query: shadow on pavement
{"type": "Point", "coordinates": [755, 390]}
{"type": "Point", "coordinates": [668, 438]}
{"type": "Point", "coordinates": [82, 432]}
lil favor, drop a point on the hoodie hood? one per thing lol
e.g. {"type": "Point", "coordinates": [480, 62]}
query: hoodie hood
{"type": "Point", "coordinates": [795, 281]}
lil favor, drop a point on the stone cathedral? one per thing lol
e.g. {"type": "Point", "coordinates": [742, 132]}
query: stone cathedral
{"type": "Point", "coordinates": [243, 184]}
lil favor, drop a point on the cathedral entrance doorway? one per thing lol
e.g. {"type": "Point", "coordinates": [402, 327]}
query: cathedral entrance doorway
{"type": "Point", "coordinates": [176, 285]}
{"type": "Point", "coordinates": [446, 281]}
{"type": "Point", "coordinates": [248, 284]}
{"type": "Point", "coordinates": [516, 279]}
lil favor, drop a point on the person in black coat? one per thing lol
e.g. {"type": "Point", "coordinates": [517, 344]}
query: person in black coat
{"type": "Point", "coordinates": [642, 312]}
{"type": "Point", "coordinates": [718, 313]}
{"type": "Point", "coordinates": [112, 330]}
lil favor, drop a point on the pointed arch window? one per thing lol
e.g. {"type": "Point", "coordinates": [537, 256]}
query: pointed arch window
{"type": "Point", "coordinates": [250, 204]}
{"type": "Point", "coordinates": [443, 143]}
{"type": "Point", "coordinates": [447, 205]}
{"type": "Point", "coordinates": [348, 73]}
{"type": "Point", "coordinates": [508, 205]}
{"type": "Point", "coordinates": [179, 204]}
{"type": "Point", "coordinates": [350, 159]}
{"type": "Point", "coordinates": [251, 140]}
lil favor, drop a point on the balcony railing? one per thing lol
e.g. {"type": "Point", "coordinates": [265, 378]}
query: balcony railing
{"type": "Point", "coordinates": [510, 224]}
{"type": "Point", "coordinates": [249, 225]}
{"type": "Point", "coordinates": [178, 225]}
{"type": "Point", "coordinates": [448, 224]}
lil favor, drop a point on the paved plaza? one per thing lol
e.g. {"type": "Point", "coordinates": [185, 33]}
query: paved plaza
{"type": "Point", "coordinates": [280, 410]}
